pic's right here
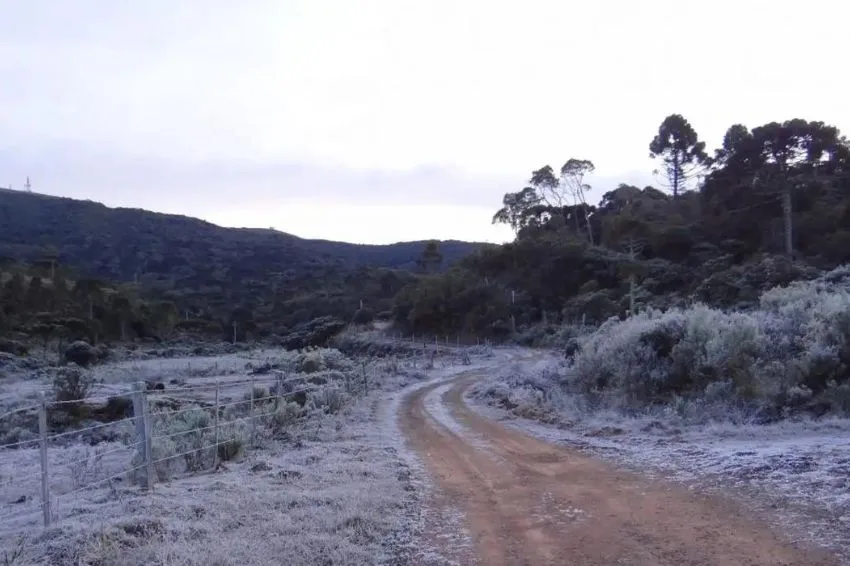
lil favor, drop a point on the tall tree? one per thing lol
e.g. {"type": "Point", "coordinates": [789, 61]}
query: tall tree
{"type": "Point", "coordinates": [431, 257]}
{"type": "Point", "coordinates": [517, 209]}
{"type": "Point", "coordinates": [90, 291]}
{"type": "Point", "coordinates": [572, 178]}
{"type": "Point", "coordinates": [681, 153]}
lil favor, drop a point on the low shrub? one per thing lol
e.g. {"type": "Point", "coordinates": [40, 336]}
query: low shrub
{"type": "Point", "coordinates": [81, 353]}
{"type": "Point", "coordinates": [285, 416]}
{"type": "Point", "coordinates": [331, 400]}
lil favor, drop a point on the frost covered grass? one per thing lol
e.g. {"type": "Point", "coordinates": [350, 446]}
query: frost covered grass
{"type": "Point", "coordinates": [326, 480]}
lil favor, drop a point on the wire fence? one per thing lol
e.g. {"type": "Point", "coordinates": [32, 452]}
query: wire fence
{"type": "Point", "coordinates": [45, 476]}
{"type": "Point", "coordinates": [53, 467]}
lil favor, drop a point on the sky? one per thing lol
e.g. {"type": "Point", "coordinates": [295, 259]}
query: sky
{"type": "Point", "coordinates": [377, 121]}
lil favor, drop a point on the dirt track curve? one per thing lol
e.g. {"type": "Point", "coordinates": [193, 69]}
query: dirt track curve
{"type": "Point", "coordinates": [525, 501]}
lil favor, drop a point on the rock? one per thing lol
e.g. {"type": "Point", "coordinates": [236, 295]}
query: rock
{"type": "Point", "coordinates": [81, 353]}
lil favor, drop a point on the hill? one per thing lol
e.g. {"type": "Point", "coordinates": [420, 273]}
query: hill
{"type": "Point", "coordinates": [125, 244]}
{"type": "Point", "coordinates": [210, 273]}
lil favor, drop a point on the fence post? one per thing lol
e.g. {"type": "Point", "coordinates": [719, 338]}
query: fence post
{"type": "Point", "coordinates": [279, 390]}
{"type": "Point", "coordinates": [45, 483]}
{"type": "Point", "coordinates": [215, 427]}
{"type": "Point", "coordinates": [253, 420]}
{"type": "Point", "coordinates": [143, 433]}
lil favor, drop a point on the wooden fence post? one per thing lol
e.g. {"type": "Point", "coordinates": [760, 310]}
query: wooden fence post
{"type": "Point", "coordinates": [143, 434]}
{"type": "Point", "coordinates": [215, 426]}
{"type": "Point", "coordinates": [45, 483]}
{"type": "Point", "coordinates": [253, 420]}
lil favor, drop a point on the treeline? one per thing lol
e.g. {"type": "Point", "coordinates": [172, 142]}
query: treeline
{"type": "Point", "coordinates": [46, 303]}
{"type": "Point", "coordinates": [770, 206]}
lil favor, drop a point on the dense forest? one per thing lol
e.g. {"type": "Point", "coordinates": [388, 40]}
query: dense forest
{"type": "Point", "coordinates": [80, 270]}
{"type": "Point", "coordinates": [770, 206]}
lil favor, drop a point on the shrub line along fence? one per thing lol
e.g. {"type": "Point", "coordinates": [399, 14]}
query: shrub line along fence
{"type": "Point", "coordinates": [142, 449]}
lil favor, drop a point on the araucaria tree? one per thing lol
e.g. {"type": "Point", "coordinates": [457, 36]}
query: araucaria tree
{"type": "Point", "coordinates": [431, 258]}
{"type": "Point", "coordinates": [682, 154]}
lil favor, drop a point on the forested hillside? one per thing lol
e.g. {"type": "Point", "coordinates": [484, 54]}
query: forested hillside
{"type": "Point", "coordinates": [81, 269]}
{"type": "Point", "coordinates": [770, 206]}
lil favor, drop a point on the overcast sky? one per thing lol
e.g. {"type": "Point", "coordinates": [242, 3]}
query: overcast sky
{"type": "Point", "coordinates": [380, 121]}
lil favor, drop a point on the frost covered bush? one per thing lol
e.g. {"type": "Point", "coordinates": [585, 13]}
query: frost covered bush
{"type": "Point", "coordinates": [328, 399]}
{"type": "Point", "coordinates": [791, 353]}
{"type": "Point", "coordinates": [285, 416]}
{"type": "Point", "coordinates": [533, 396]}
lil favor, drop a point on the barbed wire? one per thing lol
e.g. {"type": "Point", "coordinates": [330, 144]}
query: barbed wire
{"type": "Point", "coordinates": [223, 384]}
{"type": "Point", "coordinates": [19, 410]}
{"type": "Point", "coordinates": [99, 455]}
{"type": "Point", "coordinates": [90, 428]}
{"type": "Point", "coordinates": [59, 496]}
{"type": "Point", "coordinates": [18, 443]}
{"type": "Point", "coordinates": [207, 386]}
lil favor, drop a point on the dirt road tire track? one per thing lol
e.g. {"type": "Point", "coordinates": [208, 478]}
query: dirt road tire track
{"type": "Point", "coordinates": [527, 502]}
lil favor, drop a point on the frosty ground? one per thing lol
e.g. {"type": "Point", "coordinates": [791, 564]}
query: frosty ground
{"type": "Point", "coordinates": [334, 489]}
{"type": "Point", "coordinates": [344, 489]}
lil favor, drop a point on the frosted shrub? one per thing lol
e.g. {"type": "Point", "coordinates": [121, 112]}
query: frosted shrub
{"type": "Point", "coordinates": [328, 399]}
{"type": "Point", "coordinates": [163, 452]}
{"type": "Point", "coordinates": [285, 416]}
{"type": "Point", "coordinates": [794, 351]}
{"type": "Point", "coordinates": [311, 362]}
{"type": "Point", "coordinates": [535, 396]}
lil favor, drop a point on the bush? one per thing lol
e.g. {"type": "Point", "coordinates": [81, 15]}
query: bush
{"type": "Point", "coordinates": [13, 347]}
{"type": "Point", "coordinates": [317, 332]}
{"type": "Point", "coordinates": [259, 395]}
{"type": "Point", "coordinates": [285, 416]}
{"type": "Point", "coordinates": [230, 448]}
{"type": "Point", "coordinates": [311, 362]}
{"type": "Point", "coordinates": [72, 384]}
{"type": "Point", "coordinates": [331, 400]}
{"type": "Point", "coordinates": [791, 354]}
{"type": "Point", "coordinates": [81, 353]}
{"type": "Point", "coordinates": [163, 451]}
{"type": "Point", "coordinates": [364, 316]}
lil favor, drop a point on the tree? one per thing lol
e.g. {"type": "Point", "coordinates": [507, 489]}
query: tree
{"type": "Point", "coordinates": [431, 257]}
{"type": "Point", "coordinates": [775, 162]}
{"type": "Point", "coordinates": [682, 154]}
{"type": "Point", "coordinates": [517, 209]}
{"type": "Point", "coordinates": [572, 178]}
{"type": "Point", "coordinates": [124, 310]}
{"type": "Point", "coordinates": [90, 291]}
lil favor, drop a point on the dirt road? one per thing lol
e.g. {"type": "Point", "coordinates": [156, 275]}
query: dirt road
{"type": "Point", "coordinates": [525, 501]}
